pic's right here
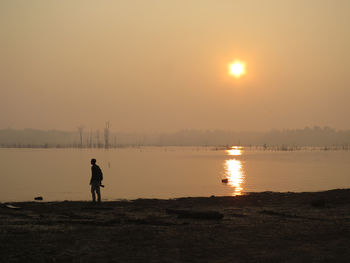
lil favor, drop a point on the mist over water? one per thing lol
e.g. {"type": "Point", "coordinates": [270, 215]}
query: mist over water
{"type": "Point", "coordinates": [175, 99]}
{"type": "Point", "coordinates": [111, 74]}
{"type": "Point", "coordinates": [167, 172]}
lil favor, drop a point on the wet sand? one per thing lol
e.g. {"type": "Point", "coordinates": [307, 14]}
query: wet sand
{"type": "Point", "coordinates": [257, 227]}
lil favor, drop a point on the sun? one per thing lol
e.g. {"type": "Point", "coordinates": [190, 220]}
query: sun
{"type": "Point", "coordinates": [237, 68]}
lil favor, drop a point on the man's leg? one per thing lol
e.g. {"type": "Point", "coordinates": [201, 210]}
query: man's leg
{"type": "Point", "coordinates": [93, 192]}
{"type": "Point", "coordinates": [98, 193]}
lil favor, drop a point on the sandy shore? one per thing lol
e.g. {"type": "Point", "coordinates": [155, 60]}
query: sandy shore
{"type": "Point", "coordinates": [258, 227]}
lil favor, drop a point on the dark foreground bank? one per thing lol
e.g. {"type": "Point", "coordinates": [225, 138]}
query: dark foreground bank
{"type": "Point", "coordinates": [258, 227]}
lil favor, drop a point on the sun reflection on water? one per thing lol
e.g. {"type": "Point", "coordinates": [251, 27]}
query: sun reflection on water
{"type": "Point", "coordinates": [234, 170]}
{"type": "Point", "coordinates": [235, 151]}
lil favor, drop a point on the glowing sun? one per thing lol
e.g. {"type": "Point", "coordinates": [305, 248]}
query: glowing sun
{"type": "Point", "coordinates": [237, 69]}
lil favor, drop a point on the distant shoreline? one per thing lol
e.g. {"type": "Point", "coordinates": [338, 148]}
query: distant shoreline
{"type": "Point", "coordinates": [84, 138]}
{"type": "Point", "coordinates": [267, 148]}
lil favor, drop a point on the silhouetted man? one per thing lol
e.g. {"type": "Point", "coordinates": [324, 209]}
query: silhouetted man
{"type": "Point", "coordinates": [95, 182]}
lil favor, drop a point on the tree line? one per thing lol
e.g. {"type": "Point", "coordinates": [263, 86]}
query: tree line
{"type": "Point", "coordinates": [82, 138]}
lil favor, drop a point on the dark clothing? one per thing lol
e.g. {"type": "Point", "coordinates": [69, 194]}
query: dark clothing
{"type": "Point", "coordinates": [95, 182]}
{"type": "Point", "coordinates": [96, 173]}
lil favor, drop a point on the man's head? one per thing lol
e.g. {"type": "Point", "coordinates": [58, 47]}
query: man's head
{"type": "Point", "coordinates": [93, 161]}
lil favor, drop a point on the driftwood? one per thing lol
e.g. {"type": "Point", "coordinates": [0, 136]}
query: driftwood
{"type": "Point", "coordinates": [12, 207]}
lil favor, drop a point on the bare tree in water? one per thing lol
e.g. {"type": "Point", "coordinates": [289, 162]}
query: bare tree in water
{"type": "Point", "coordinates": [106, 133]}
{"type": "Point", "coordinates": [80, 130]}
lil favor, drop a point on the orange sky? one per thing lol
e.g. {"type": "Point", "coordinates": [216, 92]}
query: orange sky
{"type": "Point", "coordinates": [162, 65]}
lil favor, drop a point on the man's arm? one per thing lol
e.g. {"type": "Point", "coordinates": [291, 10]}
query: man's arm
{"type": "Point", "coordinates": [92, 172]}
{"type": "Point", "coordinates": [101, 175]}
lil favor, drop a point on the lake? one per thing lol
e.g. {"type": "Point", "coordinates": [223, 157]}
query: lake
{"type": "Point", "coordinates": [167, 172]}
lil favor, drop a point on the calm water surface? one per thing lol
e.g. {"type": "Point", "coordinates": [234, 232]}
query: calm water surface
{"type": "Point", "coordinates": [167, 172]}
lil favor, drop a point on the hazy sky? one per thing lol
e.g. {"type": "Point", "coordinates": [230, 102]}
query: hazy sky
{"type": "Point", "coordinates": [163, 65]}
